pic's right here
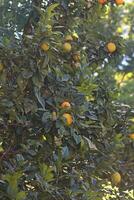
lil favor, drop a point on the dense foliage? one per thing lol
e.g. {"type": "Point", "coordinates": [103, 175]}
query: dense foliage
{"type": "Point", "coordinates": [65, 133]}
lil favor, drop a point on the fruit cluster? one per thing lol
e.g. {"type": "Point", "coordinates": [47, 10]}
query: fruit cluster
{"type": "Point", "coordinates": [67, 47]}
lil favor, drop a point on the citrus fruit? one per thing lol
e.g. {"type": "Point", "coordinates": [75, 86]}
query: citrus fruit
{"type": "Point", "coordinates": [75, 36]}
{"type": "Point", "coordinates": [131, 136]}
{"type": "Point", "coordinates": [65, 104]}
{"type": "Point", "coordinates": [68, 117]}
{"type": "Point", "coordinates": [54, 116]}
{"type": "Point", "coordinates": [119, 2]}
{"type": "Point", "coordinates": [102, 1]}
{"type": "Point", "coordinates": [45, 46]}
{"type": "Point", "coordinates": [111, 47]}
{"type": "Point", "coordinates": [116, 178]}
{"type": "Point", "coordinates": [76, 57]}
{"type": "Point", "coordinates": [67, 47]}
{"type": "Point", "coordinates": [68, 38]}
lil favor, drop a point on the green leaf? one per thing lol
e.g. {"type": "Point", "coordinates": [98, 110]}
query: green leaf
{"type": "Point", "coordinates": [39, 98]}
{"type": "Point", "coordinates": [46, 172]}
{"type": "Point", "coordinates": [21, 195]}
{"type": "Point", "coordinates": [50, 9]}
{"type": "Point", "coordinates": [65, 152]}
{"type": "Point", "coordinates": [1, 148]}
{"type": "Point", "coordinates": [87, 87]}
{"type": "Point", "coordinates": [46, 116]}
{"type": "Point", "coordinates": [76, 137]}
{"type": "Point", "coordinates": [12, 180]}
{"type": "Point", "coordinates": [21, 83]}
{"type": "Point", "coordinates": [91, 145]}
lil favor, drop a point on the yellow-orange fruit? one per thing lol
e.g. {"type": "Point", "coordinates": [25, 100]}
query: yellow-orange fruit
{"type": "Point", "coordinates": [45, 46]}
{"type": "Point", "coordinates": [116, 178]}
{"type": "Point", "coordinates": [75, 36]}
{"type": "Point", "coordinates": [111, 47]}
{"type": "Point", "coordinates": [131, 136]}
{"type": "Point", "coordinates": [119, 2]}
{"type": "Point", "coordinates": [54, 116]}
{"type": "Point", "coordinates": [102, 1]}
{"type": "Point", "coordinates": [68, 38]}
{"type": "Point", "coordinates": [1, 67]}
{"type": "Point", "coordinates": [67, 47]}
{"type": "Point", "coordinates": [68, 117]}
{"type": "Point", "coordinates": [65, 104]}
{"type": "Point", "coordinates": [76, 57]}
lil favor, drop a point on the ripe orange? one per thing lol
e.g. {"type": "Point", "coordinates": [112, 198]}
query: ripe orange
{"type": "Point", "coordinates": [67, 47]}
{"type": "Point", "coordinates": [68, 117]}
{"type": "Point", "coordinates": [65, 104]}
{"type": "Point", "coordinates": [111, 47]}
{"type": "Point", "coordinates": [76, 57]}
{"type": "Point", "coordinates": [68, 38]}
{"type": "Point", "coordinates": [45, 46]}
{"type": "Point", "coordinates": [131, 136]}
{"type": "Point", "coordinates": [116, 178]}
{"type": "Point", "coordinates": [102, 1]}
{"type": "Point", "coordinates": [119, 2]}
{"type": "Point", "coordinates": [1, 67]}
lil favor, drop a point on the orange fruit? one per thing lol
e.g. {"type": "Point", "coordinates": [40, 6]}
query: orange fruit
{"type": "Point", "coordinates": [1, 67]}
{"type": "Point", "coordinates": [76, 57]}
{"type": "Point", "coordinates": [111, 47]}
{"type": "Point", "coordinates": [67, 47]}
{"type": "Point", "coordinates": [119, 2]}
{"type": "Point", "coordinates": [102, 1]}
{"type": "Point", "coordinates": [131, 136]}
{"type": "Point", "coordinates": [45, 46]}
{"type": "Point", "coordinates": [68, 117]}
{"type": "Point", "coordinates": [68, 38]}
{"type": "Point", "coordinates": [116, 178]}
{"type": "Point", "coordinates": [65, 104]}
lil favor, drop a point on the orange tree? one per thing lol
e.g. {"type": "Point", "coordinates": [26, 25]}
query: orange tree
{"type": "Point", "coordinates": [63, 133]}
